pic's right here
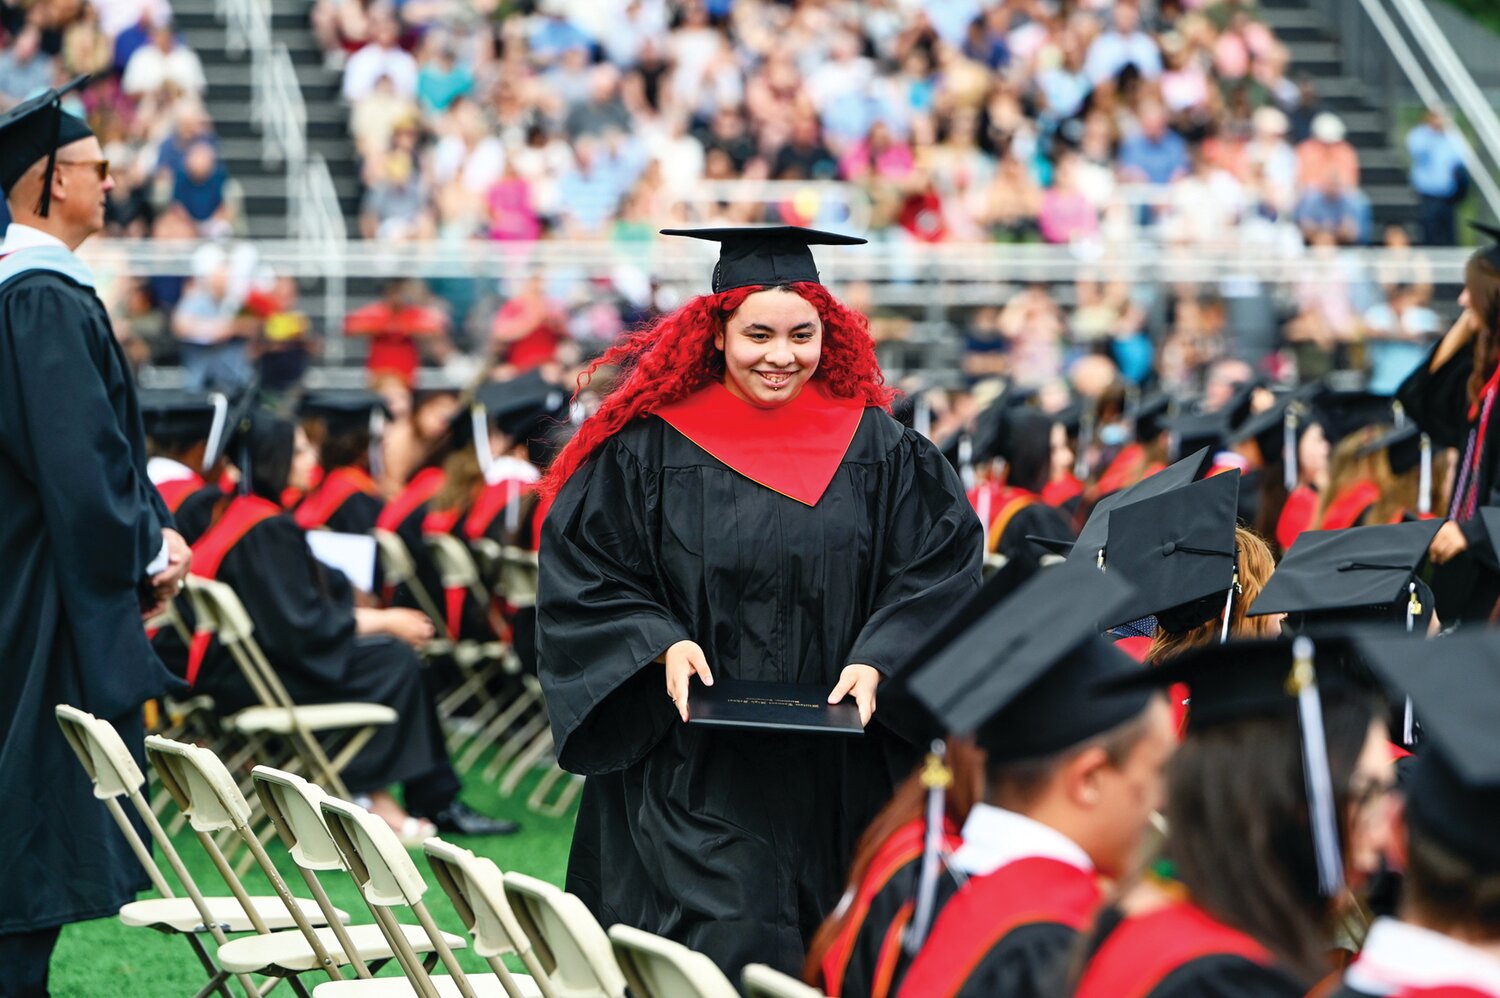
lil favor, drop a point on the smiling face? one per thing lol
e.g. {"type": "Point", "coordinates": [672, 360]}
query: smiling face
{"type": "Point", "coordinates": [771, 345]}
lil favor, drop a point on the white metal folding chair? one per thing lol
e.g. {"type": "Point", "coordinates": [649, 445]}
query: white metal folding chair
{"type": "Point", "coordinates": [761, 981]}
{"type": "Point", "coordinates": [660, 968]}
{"type": "Point", "coordinates": [399, 568]}
{"type": "Point", "coordinates": [568, 941]}
{"type": "Point", "coordinates": [115, 774]}
{"type": "Point", "coordinates": [388, 879]}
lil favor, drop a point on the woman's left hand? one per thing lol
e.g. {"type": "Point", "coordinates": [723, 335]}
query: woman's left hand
{"type": "Point", "coordinates": [1448, 544]}
{"type": "Point", "coordinates": [859, 680]}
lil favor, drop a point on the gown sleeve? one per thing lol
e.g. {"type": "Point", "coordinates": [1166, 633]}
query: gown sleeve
{"type": "Point", "coordinates": [1030, 962]}
{"type": "Point", "coordinates": [1227, 977]}
{"type": "Point", "coordinates": [305, 622]}
{"type": "Point", "coordinates": [1438, 401]}
{"type": "Point", "coordinates": [600, 625]}
{"type": "Point", "coordinates": [935, 548]}
{"type": "Point", "coordinates": [105, 520]}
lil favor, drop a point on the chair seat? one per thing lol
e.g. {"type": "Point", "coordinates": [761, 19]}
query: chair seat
{"type": "Point", "coordinates": [485, 986]}
{"type": "Point", "coordinates": [179, 915]}
{"type": "Point", "coordinates": [289, 952]}
{"type": "Point", "coordinates": [313, 717]}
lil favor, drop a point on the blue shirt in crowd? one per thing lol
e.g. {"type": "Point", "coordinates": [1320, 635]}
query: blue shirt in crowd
{"type": "Point", "coordinates": [1435, 161]}
{"type": "Point", "coordinates": [1160, 160]}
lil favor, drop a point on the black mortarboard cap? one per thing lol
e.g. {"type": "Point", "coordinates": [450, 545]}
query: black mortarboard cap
{"type": "Point", "coordinates": [518, 405]}
{"type": "Point", "coordinates": [765, 256]}
{"type": "Point", "coordinates": [1196, 430]}
{"type": "Point", "coordinates": [35, 129]}
{"type": "Point", "coordinates": [1346, 412]}
{"type": "Point", "coordinates": [344, 411]}
{"type": "Point", "coordinates": [1490, 250]}
{"type": "Point", "coordinates": [1149, 415]}
{"type": "Point", "coordinates": [1269, 426]}
{"type": "Point", "coordinates": [1403, 448]}
{"type": "Point", "coordinates": [1021, 677]}
{"type": "Point", "coordinates": [1095, 533]}
{"type": "Point", "coordinates": [176, 417]}
{"type": "Point", "coordinates": [995, 589]}
{"type": "Point", "coordinates": [1453, 794]}
{"type": "Point", "coordinates": [1177, 552]}
{"type": "Point", "coordinates": [1332, 572]}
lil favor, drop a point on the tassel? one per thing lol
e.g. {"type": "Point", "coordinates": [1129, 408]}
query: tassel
{"type": "Point", "coordinates": [377, 439]}
{"type": "Point", "coordinates": [512, 507]}
{"type": "Point", "coordinates": [480, 421]}
{"type": "Point", "coordinates": [1234, 587]}
{"type": "Point", "coordinates": [1424, 481]}
{"type": "Point", "coordinates": [1303, 682]}
{"type": "Point", "coordinates": [216, 429]}
{"type": "Point", "coordinates": [1289, 448]}
{"type": "Point", "coordinates": [1408, 727]}
{"type": "Point", "coordinates": [936, 777]}
{"type": "Point", "coordinates": [966, 461]}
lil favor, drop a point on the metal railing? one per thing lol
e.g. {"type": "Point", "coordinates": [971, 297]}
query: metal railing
{"type": "Point", "coordinates": [323, 237]}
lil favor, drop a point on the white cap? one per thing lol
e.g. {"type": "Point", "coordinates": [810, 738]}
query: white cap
{"type": "Point", "coordinates": [1326, 127]}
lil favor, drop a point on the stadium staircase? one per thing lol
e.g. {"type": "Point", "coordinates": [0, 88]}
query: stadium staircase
{"type": "Point", "coordinates": [228, 101]}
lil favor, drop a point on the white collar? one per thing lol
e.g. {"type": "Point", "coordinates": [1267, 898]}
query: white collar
{"type": "Point", "coordinates": [994, 837]}
{"type": "Point", "coordinates": [19, 237]}
{"type": "Point", "coordinates": [1398, 955]}
{"type": "Point", "coordinates": [164, 469]}
{"type": "Point", "coordinates": [508, 468]}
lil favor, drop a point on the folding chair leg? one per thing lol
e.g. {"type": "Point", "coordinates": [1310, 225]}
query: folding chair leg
{"type": "Point", "coordinates": [524, 701]}
{"type": "Point", "coordinates": [516, 745]}
{"type": "Point", "coordinates": [572, 786]}
{"type": "Point", "coordinates": [218, 980]}
{"type": "Point", "coordinates": [526, 762]}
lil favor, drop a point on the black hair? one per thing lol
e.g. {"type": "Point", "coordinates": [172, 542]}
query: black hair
{"type": "Point", "coordinates": [270, 441]}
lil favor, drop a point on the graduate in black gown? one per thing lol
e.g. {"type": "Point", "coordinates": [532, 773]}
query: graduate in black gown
{"type": "Point", "coordinates": [741, 506]}
{"type": "Point", "coordinates": [85, 544]}
{"type": "Point", "coordinates": [1451, 396]}
{"type": "Point", "coordinates": [323, 647]}
{"type": "Point", "coordinates": [186, 436]}
{"type": "Point", "coordinates": [346, 428]}
{"type": "Point", "coordinates": [1025, 439]}
{"type": "Point", "coordinates": [1245, 903]}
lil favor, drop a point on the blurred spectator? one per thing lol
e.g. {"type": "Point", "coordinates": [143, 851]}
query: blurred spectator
{"type": "Point", "coordinates": [512, 212]}
{"type": "Point", "coordinates": [381, 56]}
{"type": "Point", "coordinates": [602, 110]}
{"type": "Point", "coordinates": [1155, 154]}
{"type": "Point", "coordinates": [24, 68]}
{"type": "Point", "coordinates": [1067, 215]}
{"type": "Point", "coordinates": [210, 335]}
{"type": "Point", "coordinates": [375, 119]}
{"type": "Point", "coordinates": [1269, 150]}
{"type": "Point", "coordinates": [1333, 209]}
{"type": "Point", "coordinates": [805, 156]}
{"type": "Point", "coordinates": [285, 342]}
{"type": "Point", "coordinates": [1033, 324]}
{"type": "Point", "coordinates": [441, 78]}
{"type": "Point", "coordinates": [398, 325]}
{"type": "Point", "coordinates": [395, 206]}
{"type": "Point", "coordinates": [164, 62]}
{"type": "Point", "coordinates": [1438, 176]}
{"type": "Point", "coordinates": [87, 48]}
{"type": "Point", "coordinates": [1123, 44]}
{"type": "Point", "coordinates": [1205, 204]}
{"type": "Point", "coordinates": [1325, 151]}
{"type": "Point", "coordinates": [528, 328]}
{"type": "Point", "coordinates": [1399, 331]}
{"type": "Point", "coordinates": [117, 17]}
{"type": "Point", "coordinates": [199, 189]}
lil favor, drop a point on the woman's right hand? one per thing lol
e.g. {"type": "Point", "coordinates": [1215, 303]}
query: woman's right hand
{"type": "Point", "coordinates": [683, 661]}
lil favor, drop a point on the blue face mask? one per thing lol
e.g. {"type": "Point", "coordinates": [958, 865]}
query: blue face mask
{"type": "Point", "coordinates": [1112, 435]}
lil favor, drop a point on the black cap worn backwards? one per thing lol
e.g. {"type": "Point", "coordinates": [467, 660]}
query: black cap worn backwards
{"type": "Point", "coordinates": [1490, 250]}
{"type": "Point", "coordinates": [1020, 676]}
{"type": "Point", "coordinates": [1329, 573]}
{"type": "Point", "coordinates": [345, 411]}
{"type": "Point", "coordinates": [1177, 551]}
{"type": "Point", "coordinates": [176, 419]}
{"type": "Point", "coordinates": [1196, 430]}
{"type": "Point", "coordinates": [765, 256]}
{"type": "Point", "coordinates": [1403, 448]}
{"type": "Point", "coordinates": [1347, 412]}
{"type": "Point", "coordinates": [1095, 533]}
{"type": "Point", "coordinates": [1453, 794]}
{"type": "Point", "coordinates": [515, 407]}
{"type": "Point", "coordinates": [33, 130]}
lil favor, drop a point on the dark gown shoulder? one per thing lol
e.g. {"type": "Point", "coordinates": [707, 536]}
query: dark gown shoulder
{"type": "Point", "coordinates": [1226, 976]}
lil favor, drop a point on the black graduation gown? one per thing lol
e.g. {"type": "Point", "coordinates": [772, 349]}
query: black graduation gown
{"type": "Point", "coordinates": [81, 523]}
{"type": "Point", "coordinates": [1438, 401]}
{"type": "Point", "coordinates": [196, 514]}
{"type": "Point", "coordinates": [304, 622]}
{"type": "Point", "coordinates": [1036, 520]}
{"type": "Point", "coordinates": [357, 514]}
{"type": "Point", "coordinates": [734, 843]}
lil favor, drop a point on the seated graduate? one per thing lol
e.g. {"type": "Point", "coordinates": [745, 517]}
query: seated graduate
{"type": "Point", "coordinates": [1446, 941]}
{"type": "Point", "coordinates": [323, 647]}
{"type": "Point", "coordinates": [1026, 440]}
{"type": "Point", "coordinates": [1253, 895]}
{"type": "Point", "coordinates": [186, 433]}
{"type": "Point", "coordinates": [1264, 439]}
{"type": "Point", "coordinates": [1406, 470]}
{"type": "Point", "coordinates": [1144, 446]}
{"type": "Point", "coordinates": [1254, 564]}
{"type": "Point", "coordinates": [346, 428]}
{"type": "Point", "coordinates": [522, 414]}
{"type": "Point", "coordinates": [1072, 777]}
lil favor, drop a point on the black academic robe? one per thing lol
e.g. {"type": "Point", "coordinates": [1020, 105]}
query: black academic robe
{"type": "Point", "coordinates": [1438, 401]}
{"type": "Point", "coordinates": [1036, 520]}
{"type": "Point", "coordinates": [304, 622]}
{"type": "Point", "coordinates": [733, 842]}
{"type": "Point", "coordinates": [81, 523]}
{"type": "Point", "coordinates": [196, 514]}
{"type": "Point", "coordinates": [357, 514]}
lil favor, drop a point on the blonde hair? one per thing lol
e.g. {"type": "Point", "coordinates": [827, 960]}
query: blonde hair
{"type": "Point", "coordinates": [1255, 562]}
{"type": "Point", "coordinates": [1346, 466]}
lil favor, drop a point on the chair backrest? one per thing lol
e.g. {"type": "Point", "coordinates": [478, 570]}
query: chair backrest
{"type": "Point", "coordinates": [101, 752]}
{"type": "Point", "coordinates": [761, 981]}
{"type": "Point", "coordinates": [199, 784]}
{"type": "Point", "coordinates": [476, 888]}
{"type": "Point", "coordinates": [396, 563]}
{"type": "Point", "coordinates": [659, 968]}
{"type": "Point", "coordinates": [518, 576]}
{"type": "Point", "coordinates": [386, 875]}
{"type": "Point", "coordinates": [219, 609]}
{"type": "Point", "coordinates": [454, 562]}
{"type": "Point", "coordinates": [296, 805]}
{"type": "Point", "coordinates": [567, 937]}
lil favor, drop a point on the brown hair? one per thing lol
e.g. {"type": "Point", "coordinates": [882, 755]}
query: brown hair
{"type": "Point", "coordinates": [1447, 892]}
{"type": "Point", "coordinates": [1016, 785]}
{"type": "Point", "coordinates": [966, 763]}
{"type": "Point", "coordinates": [462, 481]}
{"type": "Point", "coordinates": [1255, 567]}
{"type": "Point", "coordinates": [1482, 279]}
{"type": "Point", "coordinates": [1346, 467]}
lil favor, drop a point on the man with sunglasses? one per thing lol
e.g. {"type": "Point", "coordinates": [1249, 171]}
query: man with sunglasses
{"type": "Point", "coordinates": [86, 544]}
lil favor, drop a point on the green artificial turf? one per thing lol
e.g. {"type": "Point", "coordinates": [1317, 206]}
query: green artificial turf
{"type": "Point", "coordinates": [104, 959]}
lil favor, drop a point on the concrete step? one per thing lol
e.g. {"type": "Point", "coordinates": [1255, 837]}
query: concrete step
{"type": "Point", "coordinates": [249, 149]}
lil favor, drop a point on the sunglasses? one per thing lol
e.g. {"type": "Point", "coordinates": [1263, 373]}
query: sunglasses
{"type": "Point", "coordinates": [101, 166]}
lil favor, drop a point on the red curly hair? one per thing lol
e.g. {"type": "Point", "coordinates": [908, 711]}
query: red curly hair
{"type": "Point", "coordinates": [674, 356]}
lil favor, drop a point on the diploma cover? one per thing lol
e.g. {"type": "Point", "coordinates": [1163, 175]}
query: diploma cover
{"type": "Point", "coordinates": [738, 703]}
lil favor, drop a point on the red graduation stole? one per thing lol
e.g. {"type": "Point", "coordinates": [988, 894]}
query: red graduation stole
{"type": "Point", "coordinates": [175, 492]}
{"type": "Point", "coordinates": [330, 495]}
{"type": "Point", "coordinates": [208, 554]}
{"type": "Point", "coordinates": [491, 502]}
{"type": "Point", "coordinates": [1031, 891]}
{"type": "Point", "coordinates": [1348, 506]}
{"type": "Point", "coordinates": [422, 487]}
{"type": "Point", "coordinates": [794, 449]}
{"type": "Point", "coordinates": [1062, 491]}
{"type": "Point", "coordinates": [1296, 516]}
{"type": "Point", "coordinates": [1013, 501]}
{"type": "Point", "coordinates": [1142, 951]}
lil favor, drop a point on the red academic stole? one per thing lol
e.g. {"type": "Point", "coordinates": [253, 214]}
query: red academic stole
{"type": "Point", "coordinates": [1012, 501]}
{"type": "Point", "coordinates": [1062, 491]}
{"type": "Point", "coordinates": [903, 848]}
{"type": "Point", "coordinates": [793, 449]}
{"type": "Point", "coordinates": [1297, 515]}
{"type": "Point", "coordinates": [1143, 951]}
{"type": "Point", "coordinates": [176, 491]}
{"type": "Point", "coordinates": [491, 503]}
{"type": "Point", "coordinates": [208, 554]}
{"type": "Point", "coordinates": [1032, 891]}
{"type": "Point", "coordinates": [422, 487]}
{"type": "Point", "coordinates": [330, 495]}
{"type": "Point", "coordinates": [1348, 506]}
{"type": "Point", "coordinates": [1124, 470]}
